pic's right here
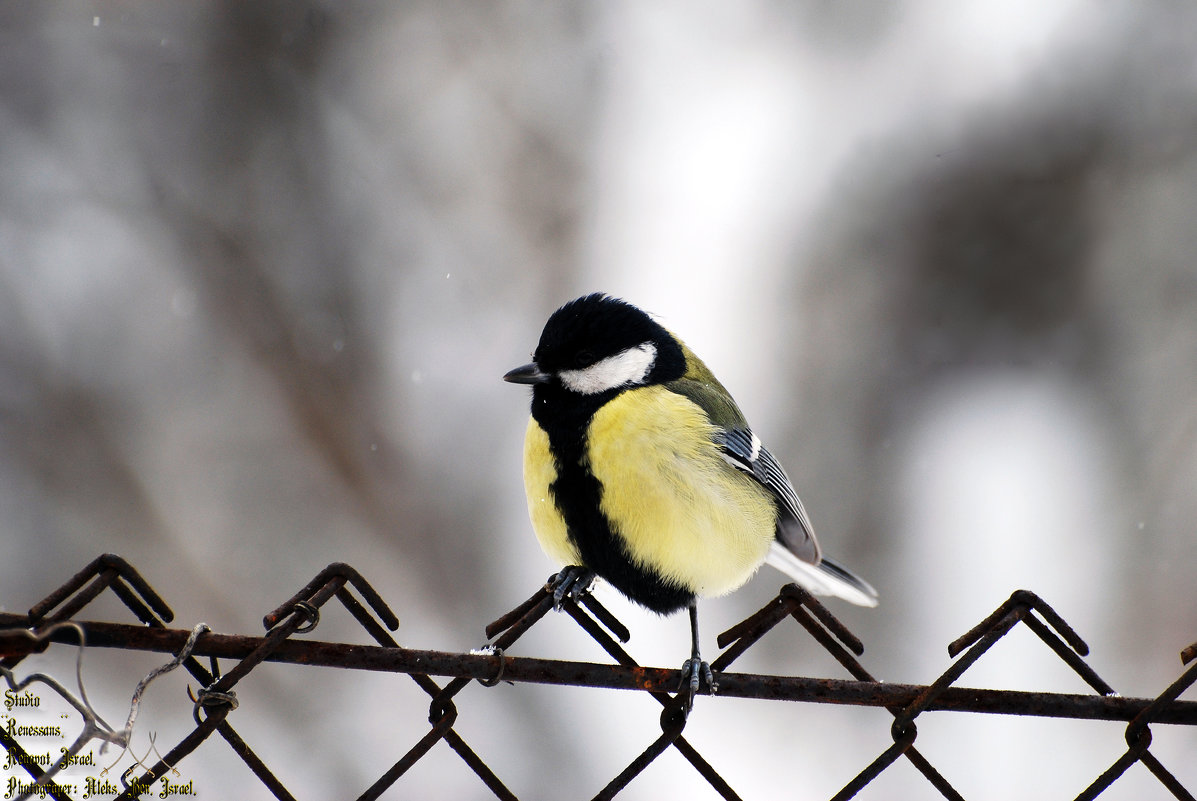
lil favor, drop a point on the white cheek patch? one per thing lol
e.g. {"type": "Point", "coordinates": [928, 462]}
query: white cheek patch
{"type": "Point", "coordinates": [631, 366]}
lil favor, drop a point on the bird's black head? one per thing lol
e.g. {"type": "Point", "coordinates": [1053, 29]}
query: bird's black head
{"type": "Point", "coordinates": [598, 344]}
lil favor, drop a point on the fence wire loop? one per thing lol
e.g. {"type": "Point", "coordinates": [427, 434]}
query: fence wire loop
{"type": "Point", "coordinates": [52, 620]}
{"type": "Point", "coordinates": [308, 611]}
{"type": "Point", "coordinates": [903, 730]}
{"type": "Point", "coordinates": [494, 680]}
{"type": "Point", "coordinates": [442, 709]}
{"type": "Point", "coordinates": [340, 574]}
{"type": "Point", "coordinates": [674, 716]}
{"type": "Point", "coordinates": [208, 699]}
{"type": "Point", "coordinates": [1138, 737]}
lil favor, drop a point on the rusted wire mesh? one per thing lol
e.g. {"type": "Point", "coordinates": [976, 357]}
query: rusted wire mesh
{"type": "Point", "coordinates": [54, 620]}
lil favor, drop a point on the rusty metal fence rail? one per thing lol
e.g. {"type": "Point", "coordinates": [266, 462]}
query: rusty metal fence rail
{"type": "Point", "coordinates": [54, 620]}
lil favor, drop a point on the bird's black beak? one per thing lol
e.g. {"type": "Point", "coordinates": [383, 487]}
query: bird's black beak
{"type": "Point", "coordinates": [528, 374]}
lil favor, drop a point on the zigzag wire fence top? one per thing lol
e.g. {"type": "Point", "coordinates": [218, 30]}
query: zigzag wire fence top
{"type": "Point", "coordinates": [52, 620]}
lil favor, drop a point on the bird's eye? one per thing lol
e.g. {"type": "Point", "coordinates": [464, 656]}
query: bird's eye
{"type": "Point", "coordinates": [583, 358]}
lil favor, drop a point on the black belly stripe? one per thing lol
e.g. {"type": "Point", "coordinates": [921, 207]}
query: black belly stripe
{"type": "Point", "coordinates": [577, 494]}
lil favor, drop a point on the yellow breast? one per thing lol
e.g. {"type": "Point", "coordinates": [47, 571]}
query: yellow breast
{"type": "Point", "coordinates": [679, 507]}
{"type": "Point", "coordinates": [539, 473]}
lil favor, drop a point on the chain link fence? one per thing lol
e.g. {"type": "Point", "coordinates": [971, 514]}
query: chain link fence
{"type": "Point", "coordinates": [53, 620]}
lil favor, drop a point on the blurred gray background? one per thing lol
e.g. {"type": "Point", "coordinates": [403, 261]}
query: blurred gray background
{"type": "Point", "coordinates": [263, 264]}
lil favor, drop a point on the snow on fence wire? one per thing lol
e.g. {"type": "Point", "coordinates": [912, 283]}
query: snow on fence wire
{"type": "Point", "coordinates": [53, 620]}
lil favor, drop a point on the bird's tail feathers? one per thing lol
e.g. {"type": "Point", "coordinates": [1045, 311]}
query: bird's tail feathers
{"type": "Point", "coordinates": [825, 578]}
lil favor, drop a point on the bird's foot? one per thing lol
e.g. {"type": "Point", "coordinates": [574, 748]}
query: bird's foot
{"type": "Point", "coordinates": [695, 671]}
{"type": "Point", "coordinates": [572, 582]}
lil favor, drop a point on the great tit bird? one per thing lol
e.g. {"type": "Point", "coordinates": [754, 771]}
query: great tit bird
{"type": "Point", "coordinates": [640, 469]}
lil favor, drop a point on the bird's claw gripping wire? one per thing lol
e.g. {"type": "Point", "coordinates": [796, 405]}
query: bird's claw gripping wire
{"type": "Point", "coordinates": [695, 671]}
{"type": "Point", "coordinates": [572, 582]}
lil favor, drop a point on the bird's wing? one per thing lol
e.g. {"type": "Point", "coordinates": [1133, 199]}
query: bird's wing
{"type": "Point", "coordinates": [743, 450]}
{"type": "Point", "coordinates": [795, 550]}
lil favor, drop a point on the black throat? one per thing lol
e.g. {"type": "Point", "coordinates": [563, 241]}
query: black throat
{"type": "Point", "coordinates": [565, 417]}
